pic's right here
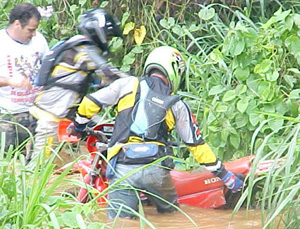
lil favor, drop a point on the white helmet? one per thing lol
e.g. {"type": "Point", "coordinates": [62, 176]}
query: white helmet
{"type": "Point", "coordinates": [169, 61]}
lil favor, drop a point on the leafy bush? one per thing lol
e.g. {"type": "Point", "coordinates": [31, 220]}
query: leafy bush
{"type": "Point", "coordinates": [242, 78]}
{"type": "Point", "coordinates": [248, 78]}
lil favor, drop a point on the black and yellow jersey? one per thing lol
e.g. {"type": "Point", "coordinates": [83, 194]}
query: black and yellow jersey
{"type": "Point", "coordinates": [125, 94]}
{"type": "Point", "coordinates": [73, 75]}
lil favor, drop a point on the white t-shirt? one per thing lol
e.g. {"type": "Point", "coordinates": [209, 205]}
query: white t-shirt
{"type": "Point", "coordinates": [18, 60]}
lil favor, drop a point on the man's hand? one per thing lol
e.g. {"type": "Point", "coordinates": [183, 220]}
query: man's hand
{"type": "Point", "coordinates": [73, 130]}
{"type": "Point", "coordinates": [233, 182]}
{"type": "Point", "coordinates": [24, 82]}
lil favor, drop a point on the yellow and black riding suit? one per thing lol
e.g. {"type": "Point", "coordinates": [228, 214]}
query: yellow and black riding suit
{"type": "Point", "coordinates": [125, 95]}
{"type": "Point", "coordinates": [146, 114]}
{"type": "Point", "coordinates": [67, 84]}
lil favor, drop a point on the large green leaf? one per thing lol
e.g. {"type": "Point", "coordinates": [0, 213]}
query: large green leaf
{"type": "Point", "coordinates": [272, 76]}
{"type": "Point", "coordinates": [177, 29]}
{"type": "Point", "coordinates": [229, 95]}
{"type": "Point", "coordinates": [276, 124]}
{"type": "Point", "coordinates": [263, 67]}
{"type": "Point", "coordinates": [216, 56]}
{"type": "Point", "coordinates": [295, 94]}
{"type": "Point", "coordinates": [237, 46]}
{"type": "Point", "coordinates": [125, 16]}
{"type": "Point", "coordinates": [235, 141]}
{"type": "Point", "coordinates": [242, 73]}
{"type": "Point", "coordinates": [221, 108]}
{"type": "Point", "coordinates": [296, 18]}
{"type": "Point", "coordinates": [242, 104]}
{"type": "Point", "coordinates": [206, 13]}
{"type": "Point", "coordinates": [264, 89]}
{"type": "Point", "coordinates": [241, 120]}
{"type": "Point", "coordinates": [244, 60]}
{"type": "Point", "coordinates": [115, 44]}
{"type": "Point", "coordinates": [167, 23]}
{"type": "Point", "coordinates": [216, 90]}
{"type": "Point", "coordinates": [211, 117]}
{"type": "Point", "coordinates": [224, 134]}
{"type": "Point", "coordinates": [254, 119]}
{"type": "Point", "coordinates": [69, 219]}
{"type": "Point", "coordinates": [292, 43]}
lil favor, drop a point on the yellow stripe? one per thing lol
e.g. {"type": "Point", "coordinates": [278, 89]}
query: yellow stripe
{"type": "Point", "coordinates": [39, 96]}
{"type": "Point", "coordinates": [43, 115]}
{"type": "Point", "coordinates": [48, 147]}
{"type": "Point", "coordinates": [135, 139]}
{"type": "Point", "coordinates": [203, 153]}
{"type": "Point", "coordinates": [170, 121]}
{"type": "Point", "coordinates": [79, 55]}
{"type": "Point", "coordinates": [128, 100]}
{"type": "Point", "coordinates": [88, 108]}
{"type": "Point", "coordinates": [59, 68]}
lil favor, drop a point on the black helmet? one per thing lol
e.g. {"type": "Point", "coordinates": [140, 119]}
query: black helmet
{"type": "Point", "coordinates": [98, 26]}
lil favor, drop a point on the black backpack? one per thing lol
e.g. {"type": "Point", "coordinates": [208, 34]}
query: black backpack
{"type": "Point", "coordinates": [54, 57]}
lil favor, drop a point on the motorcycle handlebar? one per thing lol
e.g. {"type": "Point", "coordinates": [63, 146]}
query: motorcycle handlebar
{"type": "Point", "coordinates": [97, 133]}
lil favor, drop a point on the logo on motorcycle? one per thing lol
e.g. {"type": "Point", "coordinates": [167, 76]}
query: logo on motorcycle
{"type": "Point", "coordinates": [212, 180]}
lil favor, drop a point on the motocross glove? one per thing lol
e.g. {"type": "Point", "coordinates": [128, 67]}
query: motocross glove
{"type": "Point", "coordinates": [76, 130]}
{"type": "Point", "coordinates": [232, 182]}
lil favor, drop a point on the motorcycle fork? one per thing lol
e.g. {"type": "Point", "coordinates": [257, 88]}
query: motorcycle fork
{"type": "Point", "coordinates": [94, 170]}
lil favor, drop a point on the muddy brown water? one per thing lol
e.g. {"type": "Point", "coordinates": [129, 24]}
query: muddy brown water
{"type": "Point", "coordinates": [193, 217]}
{"type": "Point", "coordinates": [202, 218]}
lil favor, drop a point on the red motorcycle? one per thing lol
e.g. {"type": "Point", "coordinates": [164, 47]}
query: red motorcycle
{"type": "Point", "coordinates": [198, 188]}
{"type": "Point", "coordinates": [93, 170]}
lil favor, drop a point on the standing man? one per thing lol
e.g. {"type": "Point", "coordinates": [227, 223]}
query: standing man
{"type": "Point", "coordinates": [22, 49]}
{"type": "Point", "coordinates": [76, 67]}
{"type": "Point", "coordinates": [147, 111]}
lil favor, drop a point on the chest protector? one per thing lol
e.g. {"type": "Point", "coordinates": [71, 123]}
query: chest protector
{"type": "Point", "coordinates": [150, 111]}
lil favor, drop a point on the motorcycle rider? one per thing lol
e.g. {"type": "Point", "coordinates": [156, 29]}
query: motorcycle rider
{"type": "Point", "coordinates": [72, 75]}
{"type": "Point", "coordinates": [147, 111]}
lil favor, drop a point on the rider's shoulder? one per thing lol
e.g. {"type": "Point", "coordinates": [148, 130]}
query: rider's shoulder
{"type": "Point", "coordinates": [127, 80]}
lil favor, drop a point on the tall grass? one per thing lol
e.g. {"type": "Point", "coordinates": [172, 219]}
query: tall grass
{"type": "Point", "coordinates": [279, 188]}
{"type": "Point", "coordinates": [210, 74]}
{"type": "Point", "coordinates": [28, 200]}
{"type": "Point", "coordinates": [25, 193]}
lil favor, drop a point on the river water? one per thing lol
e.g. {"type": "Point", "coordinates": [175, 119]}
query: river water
{"type": "Point", "coordinates": [193, 217]}
{"type": "Point", "coordinates": [199, 218]}
{"type": "Point", "coordinates": [190, 217]}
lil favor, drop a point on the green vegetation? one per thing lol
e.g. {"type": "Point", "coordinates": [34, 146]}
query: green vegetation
{"type": "Point", "coordinates": [242, 83]}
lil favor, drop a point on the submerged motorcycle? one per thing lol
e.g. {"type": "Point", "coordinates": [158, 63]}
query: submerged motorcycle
{"type": "Point", "coordinates": [198, 188]}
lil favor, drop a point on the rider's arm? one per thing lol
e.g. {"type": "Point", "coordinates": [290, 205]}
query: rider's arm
{"type": "Point", "coordinates": [188, 130]}
{"type": "Point", "coordinates": [103, 69]}
{"type": "Point", "coordinates": [107, 96]}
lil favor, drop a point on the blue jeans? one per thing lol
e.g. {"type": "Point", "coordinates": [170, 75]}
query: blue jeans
{"type": "Point", "coordinates": [123, 199]}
